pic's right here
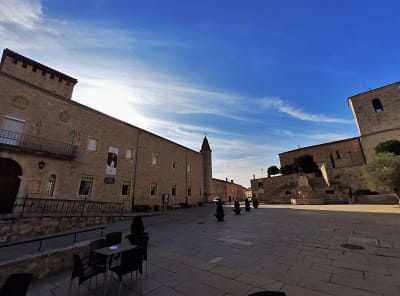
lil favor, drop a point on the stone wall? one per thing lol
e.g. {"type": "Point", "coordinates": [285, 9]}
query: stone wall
{"type": "Point", "coordinates": [337, 154]}
{"type": "Point", "coordinates": [44, 264]}
{"type": "Point", "coordinates": [24, 228]}
{"type": "Point", "coordinates": [278, 189]}
{"type": "Point", "coordinates": [377, 125]}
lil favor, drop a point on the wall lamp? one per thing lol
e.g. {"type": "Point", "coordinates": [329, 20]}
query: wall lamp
{"type": "Point", "coordinates": [41, 164]}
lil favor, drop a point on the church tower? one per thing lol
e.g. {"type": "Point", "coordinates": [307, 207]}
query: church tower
{"type": "Point", "coordinates": [207, 168]}
{"type": "Point", "coordinates": [377, 115]}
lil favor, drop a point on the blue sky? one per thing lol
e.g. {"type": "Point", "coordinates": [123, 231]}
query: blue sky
{"type": "Point", "coordinates": [258, 77]}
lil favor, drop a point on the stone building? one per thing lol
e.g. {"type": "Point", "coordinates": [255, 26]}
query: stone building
{"type": "Point", "coordinates": [377, 116]}
{"type": "Point", "coordinates": [229, 191]}
{"type": "Point", "coordinates": [55, 148]}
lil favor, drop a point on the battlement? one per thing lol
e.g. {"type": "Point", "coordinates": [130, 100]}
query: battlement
{"type": "Point", "coordinates": [23, 68]}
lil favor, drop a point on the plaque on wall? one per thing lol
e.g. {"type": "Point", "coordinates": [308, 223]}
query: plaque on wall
{"type": "Point", "coordinates": [109, 180]}
{"type": "Point", "coordinates": [64, 116]}
{"type": "Point", "coordinates": [19, 102]}
{"type": "Point", "coordinates": [34, 186]}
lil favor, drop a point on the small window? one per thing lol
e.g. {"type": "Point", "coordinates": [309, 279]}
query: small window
{"type": "Point", "coordinates": [153, 190]}
{"type": "Point", "coordinates": [189, 191]}
{"type": "Point", "coordinates": [377, 105]}
{"type": "Point", "coordinates": [126, 188]}
{"type": "Point", "coordinates": [174, 164]}
{"type": "Point", "coordinates": [51, 185]}
{"type": "Point", "coordinates": [86, 186]}
{"type": "Point", "coordinates": [59, 79]}
{"type": "Point", "coordinates": [24, 65]}
{"type": "Point", "coordinates": [173, 191]}
{"type": "Point", "coordinates": [34, 70]}
{"type": "Point", "coordinates": [15, 61]}
{"type": "Point", "coordinates": [189, 168]}
{"type": "Point", "coordinates": [337, 154]}
{"type": "Point", "coordinates": [329, 191]}
{"type": "Point", "coordinates": [92, 144]}
{"type": "Point", "coordinates": [129, 153]}
{"type": "Point", "coordinates": [154, 159]}
{"type": "Point", "coordinates": [43, 73]}
{"type": "Point", "coordinates": [260, 185]}
{"type": "Point", "coordinates": [288, 192]}
{"type": "Point", "coordinates": [52, 76]}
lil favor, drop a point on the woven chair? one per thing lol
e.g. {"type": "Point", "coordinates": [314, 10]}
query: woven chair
{"type": "Point", "coordinates": [84, 271]}
{"type": "Point", "coordinates": [131, 261]}
{"type": "Point", "coordinates": [16, 284]}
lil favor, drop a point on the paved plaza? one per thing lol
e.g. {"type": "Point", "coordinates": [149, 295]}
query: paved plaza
{"type": "Point", "coordinates": [295, 249]}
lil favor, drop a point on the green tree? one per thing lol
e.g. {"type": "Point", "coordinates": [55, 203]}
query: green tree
{"type": "Point", "coordinates": [390, 146]}
{"type": "Point", "coordinates": [288, 169]}
{"type": "Point", "coordinates": [272, 170]}
{"type": "Point", "coordinates": [306, 163]}
{"type": "Point", "coordinates": [383, 173]}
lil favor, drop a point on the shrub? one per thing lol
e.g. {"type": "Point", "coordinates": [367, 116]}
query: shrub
{"type": "Point", "coordinates": [389, 146]}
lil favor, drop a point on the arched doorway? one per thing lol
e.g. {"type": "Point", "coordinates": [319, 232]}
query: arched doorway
{"type": "Point", "coordinates": [9, 184]}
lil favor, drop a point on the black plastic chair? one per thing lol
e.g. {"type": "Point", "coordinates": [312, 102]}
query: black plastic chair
{"type": "Point", "coordinates": [16, 284]}
{"type": "Point", "coordinates": [83, 271]}
{"type": "Point", "coordinates": [131, 261]}
{"type": "Point", "coordinates": [113, 238]}
{"type": "Point", "coordinates": [142, 241]}
{"type": "Point", "coordinates": [268, 293]}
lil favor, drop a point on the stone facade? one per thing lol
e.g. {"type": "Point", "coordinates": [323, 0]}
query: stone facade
{"type": "Point", "coordinates": [377, 116]}
{"type": "Point", "coordinates": [229, 191]}
{"type": "Point", "coordinates": [69, 151]}
{"type": "Point", "coordinates": [338, 154]}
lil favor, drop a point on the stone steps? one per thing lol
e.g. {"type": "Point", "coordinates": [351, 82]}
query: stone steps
{"type": "Point", "coordinates": [383, 199]}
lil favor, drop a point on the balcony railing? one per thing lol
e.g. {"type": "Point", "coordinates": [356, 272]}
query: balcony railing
{"type": "Point", "coordinates": [32, 144]}
{"type": "Point", "coordinates": [34, 207]}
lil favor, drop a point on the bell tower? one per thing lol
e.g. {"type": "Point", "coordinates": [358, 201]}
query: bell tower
{"type": "Point", "coordinates": [377, 113]}
{"type": "Point", "coordinates": [207, 168]}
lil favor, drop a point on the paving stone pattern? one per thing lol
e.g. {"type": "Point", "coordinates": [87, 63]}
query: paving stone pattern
{"type": "Point", "coordinates": [292, 249]}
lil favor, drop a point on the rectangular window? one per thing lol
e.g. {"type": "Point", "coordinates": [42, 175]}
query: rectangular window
{"type": "Point", "coordinates": [174, 164]}
{"type": "Point", "coordinates": [153, 190]}
{"type": "Point", "coordinates": [189, 168]}
{"type": "Point", "coordinates": [92, 144]}
{"type": "Point", "coordinates": [126, 188]}
{"type": "Point", "coordinates": [86, 186]}
{"type": "Point", "coordinates": [173, 191]}
{"type": "Point", "coordinates": [154, 159]}
{"type": "Point", "coordinates": [129, 153]}
{"type": "Point", "coordinates": [189, 193]}
{"type": "Point", "coordinates": [51, 185]}
{"type": "Point", "coordinates": [11, 130]}
{"type": "Point", "coordinates": [337, 154]}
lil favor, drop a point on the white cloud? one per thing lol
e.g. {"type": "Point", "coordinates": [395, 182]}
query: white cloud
{"type": "Point", "coordinates": [24, 13]}
{"type": "Point", "coordinates": [329, 137]}
{"type": "Point", "coordinates": [283, 107]}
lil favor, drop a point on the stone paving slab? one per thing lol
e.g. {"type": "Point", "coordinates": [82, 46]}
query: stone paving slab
{"type": "Point", "coordinates": [295, 249]}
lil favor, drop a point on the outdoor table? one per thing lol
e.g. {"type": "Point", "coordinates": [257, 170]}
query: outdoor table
{"type": "Point", "coordinates": [111, 251]}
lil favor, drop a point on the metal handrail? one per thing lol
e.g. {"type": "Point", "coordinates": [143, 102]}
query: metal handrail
{"type": "Point", "coordinates": [19, 141]}
{"type": "Point", "coordinates": [28, 207]}
{"type": "Point", "coordinates": [47, 237]}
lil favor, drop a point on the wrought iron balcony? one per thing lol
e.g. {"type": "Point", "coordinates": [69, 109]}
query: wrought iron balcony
{"type": "Point", "coordinates": [20, 142]}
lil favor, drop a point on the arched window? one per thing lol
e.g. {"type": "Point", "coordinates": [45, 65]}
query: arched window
{"type": "Point", "coordinates": [51, 185]}
{"type": "Point", "coordinates": [377, 105]}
